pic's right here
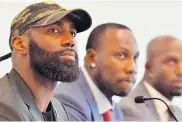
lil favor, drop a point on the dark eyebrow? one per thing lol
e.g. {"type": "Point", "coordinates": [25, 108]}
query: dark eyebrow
{"type": "Point", "coordinates": [171, 57]}
{"type": "Point", "coordinates": [59, 23]}
{"type": "Point", "coordinates": [136, 54]}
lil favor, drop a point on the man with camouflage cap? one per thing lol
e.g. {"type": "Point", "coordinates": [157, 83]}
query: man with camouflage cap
{"type": "Point", "coordinates": [42, 40]}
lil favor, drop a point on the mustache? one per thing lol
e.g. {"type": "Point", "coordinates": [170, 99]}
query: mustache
{"type": "Point", "coordinates": [64, 50]}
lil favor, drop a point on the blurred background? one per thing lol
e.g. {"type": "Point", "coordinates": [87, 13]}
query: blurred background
{"type": "Point", "coordinates": [146, 18]}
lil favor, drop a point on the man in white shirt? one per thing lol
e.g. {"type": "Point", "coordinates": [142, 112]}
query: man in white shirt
{"type": "Point", "coordinates": [162, 79]}
{"type": "Point", "coordinates": [110, 69]}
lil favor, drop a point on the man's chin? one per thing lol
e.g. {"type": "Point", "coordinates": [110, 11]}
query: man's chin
{"type": "Point", "coordinates": [60, 78]}
{"type": "Point", "coordinates": [67, 73]}
{"type": "Point", "coordinates": [123, 93]}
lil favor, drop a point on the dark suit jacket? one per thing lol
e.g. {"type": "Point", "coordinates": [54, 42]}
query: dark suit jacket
{"type": "Point", "coordinates": [140, 112]}
{"type": "Point", "coordinates": [80, 103]}
{"type": "Point", "coordinates": [17, 102]}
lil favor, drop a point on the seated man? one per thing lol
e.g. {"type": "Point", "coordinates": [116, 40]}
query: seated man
{"type": "Point", "coordinates": [42, 40]}
{"type": "Point", "coordinates": [110, 69]}
{"type": "Point", "coordinates": [162, 79]}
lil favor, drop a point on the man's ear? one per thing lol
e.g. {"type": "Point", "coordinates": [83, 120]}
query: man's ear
{"type": "Point", "coordinates": [90, 58]}
{"type": "Point", "coordinates": [20, 44]}
{"type": "Point", "coordinates": [148, 69]}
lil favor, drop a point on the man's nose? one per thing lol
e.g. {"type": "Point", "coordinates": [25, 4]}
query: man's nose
{"type": "Point", "coordinates": [68, 40]}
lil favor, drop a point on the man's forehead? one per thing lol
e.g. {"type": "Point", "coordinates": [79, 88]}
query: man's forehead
{"type": "Point", "coordinates": [168, 55]}
{"type": "Point", "coordinates": [128, 46]}
{"type": "Point", "coordinates": [168, 47]}
{"type": "Point", "coordinates": [167, 51]}
{"type": "Point", "coordinates": [173, 49]}
{"type": "Point", "coordinates": [162, 44]}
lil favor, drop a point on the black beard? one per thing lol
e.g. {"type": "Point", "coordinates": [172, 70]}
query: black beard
{"type": "Point", "coordinates": [49, 65]}
{"type": "Point", "coordinates": [107, 89]}
{"type": "Point", "coordinates": [102, 85]}
{"type": "Point", "coordinates": [176, 94]}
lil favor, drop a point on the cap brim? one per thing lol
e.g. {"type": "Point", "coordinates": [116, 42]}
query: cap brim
{"type": "Point", "coordinates": [80, 18]}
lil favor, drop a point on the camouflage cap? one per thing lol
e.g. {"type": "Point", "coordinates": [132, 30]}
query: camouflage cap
{"type": "Point", "coordinates": [41, 14]}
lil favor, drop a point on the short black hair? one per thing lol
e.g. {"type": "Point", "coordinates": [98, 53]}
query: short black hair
{"type": "Point", "coordinates": [91, 42]}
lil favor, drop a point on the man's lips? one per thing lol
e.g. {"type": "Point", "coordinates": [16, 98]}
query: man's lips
{"type": "Point", "coordinates": [69, 55]}
{"type": "Point", "coordinates": [131, 80]}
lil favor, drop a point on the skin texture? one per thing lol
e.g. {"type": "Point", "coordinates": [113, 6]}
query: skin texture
{"type": "Point", "coordinates": [44, 55]}
{"type": "Point", "coordinates": [115, 61]}
{"type": "Point", "coordinates": [164, 65]}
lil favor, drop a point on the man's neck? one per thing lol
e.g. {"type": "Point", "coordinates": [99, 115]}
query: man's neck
{"type": "Point", "coordinates": [41, 88]}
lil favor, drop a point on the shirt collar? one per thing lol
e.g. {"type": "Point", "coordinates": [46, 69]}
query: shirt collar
{"type": "Point", "coordinates": [101, 100]}
{"type": "Point", "coordinates": [154, 93]}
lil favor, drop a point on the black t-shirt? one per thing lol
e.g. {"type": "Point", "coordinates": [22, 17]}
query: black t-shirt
{"type": "Point", "coordinates": [49, 114]}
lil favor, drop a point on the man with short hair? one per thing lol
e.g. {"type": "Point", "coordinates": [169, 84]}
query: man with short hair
{"type": "Point", "coordinates": [109, 69]}
{"type": "Point", "coordinates": [42, 40]}
{"type": "Point", "coordinates": [162, 79]}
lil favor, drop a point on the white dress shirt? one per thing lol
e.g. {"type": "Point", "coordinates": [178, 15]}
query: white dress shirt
{"type": "Point", "coordinates": [103, 103]}
{"type": "Point", "coordinates": [160, 106]}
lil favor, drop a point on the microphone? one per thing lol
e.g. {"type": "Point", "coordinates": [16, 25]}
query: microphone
{"type": "Point", "coordinates": [142, 99]}
{"type": "Point", "coordinates": [2, 58]}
